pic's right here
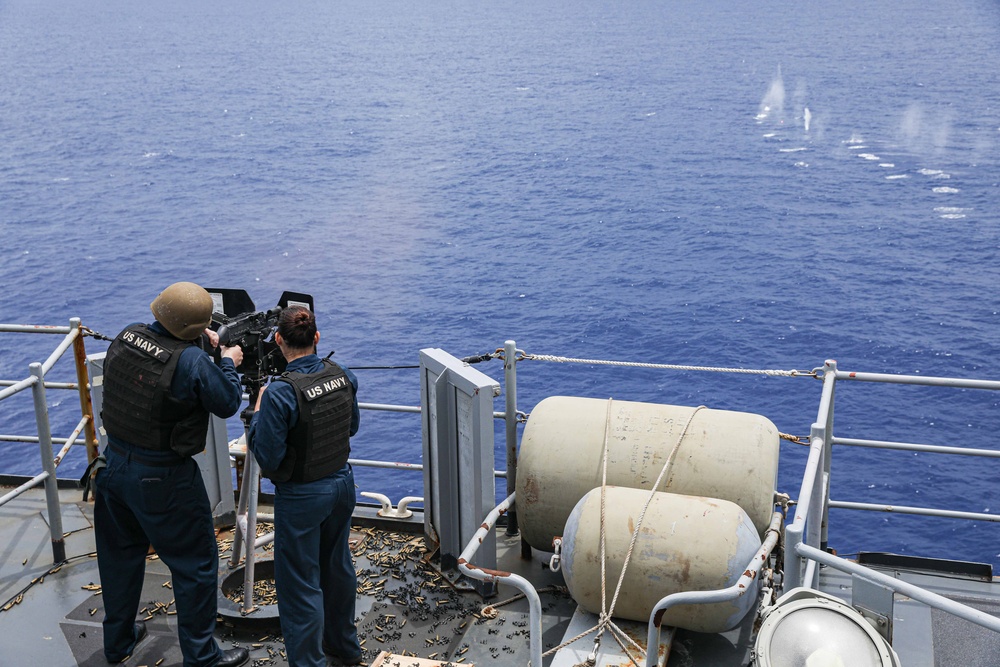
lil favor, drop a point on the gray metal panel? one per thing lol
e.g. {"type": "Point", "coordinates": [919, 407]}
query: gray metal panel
{"type": "Point", "coordinates": [875, 602]}
{"type": "Point", "coordinates": [443, 473]}
{"type": "Point", "coordinates": [430, 371]}
{"type": "Point", "coordinates": [213, 462]}
{"type": "Point", "coordinates": [913, 634]}
{"type": "Point", "coordinates": [217, 472]}
{"type": "Point", "coordinates": [457, 403]}
{"type": "Point", "coordinates": [95, 369]}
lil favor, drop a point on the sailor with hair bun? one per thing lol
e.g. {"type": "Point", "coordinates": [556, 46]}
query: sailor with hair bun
{"type": "Point", "coordinates": [300, 435]}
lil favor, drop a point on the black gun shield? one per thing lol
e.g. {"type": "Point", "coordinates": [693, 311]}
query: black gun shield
{"type": "Point", "coordinates": [296, 299]}
{"type": "Point", "coordinates": [234, 301]}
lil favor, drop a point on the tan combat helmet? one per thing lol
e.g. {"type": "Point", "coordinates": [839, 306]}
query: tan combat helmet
{"type": "Point", "coordinates": [185, 309]}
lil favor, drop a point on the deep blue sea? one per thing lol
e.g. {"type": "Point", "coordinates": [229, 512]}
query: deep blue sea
{"type": "Point", "coordinates": [711, 182]}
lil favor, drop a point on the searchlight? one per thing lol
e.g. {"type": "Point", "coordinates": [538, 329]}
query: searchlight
{"type": "Point", "coordinates": [808, 628]}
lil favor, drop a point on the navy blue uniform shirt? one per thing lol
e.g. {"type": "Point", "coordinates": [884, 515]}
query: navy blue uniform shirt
{"type": "Point", "coordinates": [279, 413]}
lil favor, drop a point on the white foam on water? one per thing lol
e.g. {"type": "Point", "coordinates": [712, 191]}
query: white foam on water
{"type": "Point", "coordinates": [951, 211]}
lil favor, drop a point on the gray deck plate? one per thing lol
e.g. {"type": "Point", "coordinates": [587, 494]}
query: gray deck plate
{"type": "Point", "coordinates": [53, 624]}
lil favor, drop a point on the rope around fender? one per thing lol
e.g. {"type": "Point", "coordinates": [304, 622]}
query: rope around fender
{"type": "Point", "coordinates": [674, 367]}
{"type": "Point", "coordinates": [605, 622]}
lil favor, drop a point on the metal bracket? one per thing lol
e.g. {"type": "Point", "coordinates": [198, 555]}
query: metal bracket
{"type": "Point", "coordinates": [875, 603]}
{"type": "Point", "coordinates": [388, 510]}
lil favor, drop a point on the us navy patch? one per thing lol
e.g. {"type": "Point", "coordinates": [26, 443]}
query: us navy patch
{"type": "Point", "coordinates": [146, 346]}
{"type": "Point", "coordinates": [324, 388]}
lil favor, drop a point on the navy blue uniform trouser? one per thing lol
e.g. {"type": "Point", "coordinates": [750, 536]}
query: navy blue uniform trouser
{"type": "Point", "coordinates": [314, 574]}
{"type": "Point", "coordinates": [137, 505]}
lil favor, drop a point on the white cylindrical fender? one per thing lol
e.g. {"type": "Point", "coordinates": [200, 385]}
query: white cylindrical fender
{"type": "Point", "coordinates": [725, 454]}
{"type": "Point", "coordinates": [685, 543]}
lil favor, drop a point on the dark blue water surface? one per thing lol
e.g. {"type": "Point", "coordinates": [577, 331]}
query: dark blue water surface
{"type": "Point", "coordinates": [719, 183]}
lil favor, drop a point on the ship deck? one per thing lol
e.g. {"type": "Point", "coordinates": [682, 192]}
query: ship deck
{"type": "Point", "coordinates": [51, 615]}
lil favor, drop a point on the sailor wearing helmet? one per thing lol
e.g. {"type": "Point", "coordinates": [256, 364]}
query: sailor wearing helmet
{"type": "Point", "coordinates": [159, 388]}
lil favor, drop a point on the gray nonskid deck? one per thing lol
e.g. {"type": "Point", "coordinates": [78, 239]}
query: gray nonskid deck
{"type": "Point", "coordinates": [58, 619]}
{"type": "Point", "coordinates": [405, 606]}
{"type": "Point", "coordinates": [925, 637]}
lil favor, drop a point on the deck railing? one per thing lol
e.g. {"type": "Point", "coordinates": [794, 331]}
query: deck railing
{"type": "Point", "coordinates": [72, 337]}
{"type": "Point", "coordinates": [806, 536]}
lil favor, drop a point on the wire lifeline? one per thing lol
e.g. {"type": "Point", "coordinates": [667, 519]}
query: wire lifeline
{"type": "Point", "coordinates": [474, 359]}
{"type": "Point", "coordinates": [674, 367]}
{"type": "Point", "coordinates": [87, 331]}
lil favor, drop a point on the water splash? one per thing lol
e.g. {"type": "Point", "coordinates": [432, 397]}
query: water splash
{"type": "Point", "coordinates": [773, 101]}
{"type": "Point", "coordinates": [806, 117]}
{"type": "Point", "coordinates": [924, 131]}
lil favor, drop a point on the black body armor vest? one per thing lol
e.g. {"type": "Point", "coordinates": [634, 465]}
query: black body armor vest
{"type": "Point", "coordinates": [139, 407]}
{"type": "Point", "coordinates": [320, 443]}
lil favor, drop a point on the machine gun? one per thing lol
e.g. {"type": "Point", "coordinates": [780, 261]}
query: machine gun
{"type": "Point", "coordinates": [238, 322]}
{"type": "Point", "coordinates": [254, 333]}
{"type": "Point", "coordinates": [240, 329]}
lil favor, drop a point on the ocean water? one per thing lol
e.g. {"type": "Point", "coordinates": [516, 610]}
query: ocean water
{"type": "Point", "coordinates": [716, 183]}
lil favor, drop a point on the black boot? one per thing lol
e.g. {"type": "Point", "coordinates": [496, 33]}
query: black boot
{"type": "Point", "coordinates": [234, 657]}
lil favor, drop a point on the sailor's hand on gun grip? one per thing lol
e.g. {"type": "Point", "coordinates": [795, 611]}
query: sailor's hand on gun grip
{"type": "Point", "coordinates": [213, 337]}
{"type": "Point", "coordinates": [235, 353]}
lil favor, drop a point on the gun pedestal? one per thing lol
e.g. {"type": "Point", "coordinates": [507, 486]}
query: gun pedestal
{"type": "Point", "coordinates": [245, 416]}
{"type": "Point", "coordinates": [237, 322]}
{"type": "Point", "coordinates": [245, 537]}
